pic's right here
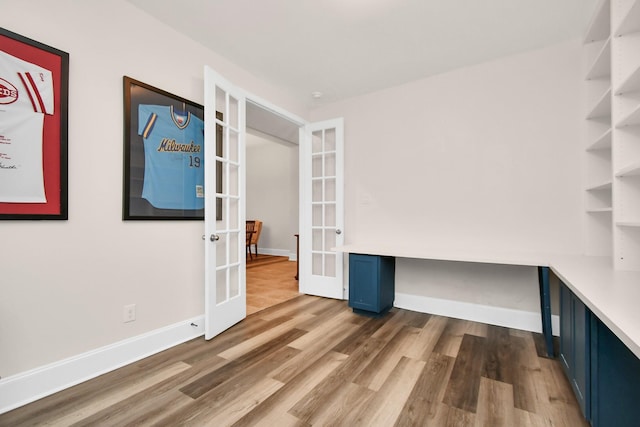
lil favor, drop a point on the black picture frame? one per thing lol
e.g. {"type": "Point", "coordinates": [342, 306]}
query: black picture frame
{"type": "Point", "coordinates": [191, 153]}
{"type": "Point", "coordinates": [27, 56]}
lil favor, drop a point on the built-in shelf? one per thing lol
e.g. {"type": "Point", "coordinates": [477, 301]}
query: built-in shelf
{"type": "Point", "coordinates": [601, 66]}
{"type": "Point", "coordinates": [602, 108]}
{"type": "Point", "coordinates": [631, 83]}
{"type": "Point", "coordinates": [631, 21]}
{"type": "Point", "coordinates": [599, 27]}
{"type": "Point", "coordinates": [602, 142]}
{"type": "Point", "coordinates": [600, 210]}
{"type": "Point", "coordinates": [628, 223]}
{"type": "Point", "coordinates": [631, 119]}
{"type": "Point", "coordinates": [602, 186]}
{"type": "Point", "coordinates": [631, 170]}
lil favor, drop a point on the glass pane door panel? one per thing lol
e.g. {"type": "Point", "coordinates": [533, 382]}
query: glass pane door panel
{"type": "Point", "coordinates": [330, 164]}
{"type": "Point", "coordinates": [330, 215]}
{"type": "Point", "coordinates": [316, 244]}
{"type": "Point", "coordinates": [221, 102]}
{"type": "Point", "coordinates": [316, 191]}
{"type": "Point", "coordinates": [224, 223]}
{"type": "Point", "coordinates": [233, 147]}
{"type": "Point", "coordinates": [233, 119]}
{"type": "Point", "coordinates": [316, 220]}
{"type": "Point", "coordinates": [234, 281]}
{"type": "Point", "coordinates": [329, 140]}
{"type": "Point", "coordinates": [316, 142]}
{"type": "Point", "coordinates": [234, 209]}
{"type": "Point", "coordinates": [316, 269]}
{"type": "Point", "coordinates": [329, 239]}
{"type": "Point", "coordinates": [234, 250]}
{"type": "Point", "coordinates": [233, 179]}
{"type": "Point", "coordinates": [221, 286]}
{"type": "Point", "coordinates": [330, 265]}
{"type": "Point", "coordinates": [221, 253]}
{"type": "Point", "coordinates": [316, 166]}
{"type": "Point", "coordinates": [330, 190]}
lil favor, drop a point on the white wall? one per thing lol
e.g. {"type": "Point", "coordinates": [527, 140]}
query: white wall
{"type": "Point", "coordinates": [481, 157]}
{"type": "Point", "coordinates": [272, 193]}
{"type": "Point", "coordinates": [63, 284]}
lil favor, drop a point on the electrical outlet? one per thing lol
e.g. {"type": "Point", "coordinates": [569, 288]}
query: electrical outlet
{"type": "Point", "coordinates": [129, 313]}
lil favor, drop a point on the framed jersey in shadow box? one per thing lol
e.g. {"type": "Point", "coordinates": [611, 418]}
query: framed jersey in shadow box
{"type": "Point", "coordinates": [164, 155]}
{"type": "Point", "coordinates": [34, 88]}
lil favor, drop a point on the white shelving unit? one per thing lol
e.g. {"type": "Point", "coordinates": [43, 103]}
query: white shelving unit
{"type": "Point", "coordinates": [625, 135]}
{"type": "Point", "coordinates": [630, 20]}
{"type": "Point", "coordinates": [601, 66]}
{"type": "Point", "coordinates": [602, 107]}
{"type": "Point", "coordinates": [630, 170]}
{"type": "Point", "coordinates": [631, 119]}
{"type": "Point", "coordinates": [599, 168]}
{"type": "Point", "coordinates": [602, 142]}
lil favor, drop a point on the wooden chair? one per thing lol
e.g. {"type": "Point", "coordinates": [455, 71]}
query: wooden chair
{"type": "Point", "coordinates": [251, 229]}
{"type": "Point", "coordinates": [254, 227]}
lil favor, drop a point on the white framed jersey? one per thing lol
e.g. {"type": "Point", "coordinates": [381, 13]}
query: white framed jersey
{"type": "Point", "coordinates": [174, 157]}
{"type": "Point", "coordinates": [26, 95]}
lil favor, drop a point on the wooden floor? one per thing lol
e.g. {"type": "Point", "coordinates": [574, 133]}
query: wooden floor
{"type": "Point", "coordinates": [270, 281]}
{"type": "Point", "coordinates": [311, 361]}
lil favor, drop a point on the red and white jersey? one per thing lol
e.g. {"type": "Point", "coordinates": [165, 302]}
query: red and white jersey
{"type": "Point", "coordinates": [26, 95]}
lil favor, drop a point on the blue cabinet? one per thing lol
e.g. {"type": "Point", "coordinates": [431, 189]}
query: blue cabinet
{"type": "Point", "coordinates": [575, 350]}
{"type": "Point", "coordinates": [615, 380]}
{"type": "Point", "coordinates": [371, 284]}
{"type": "Point", "coordinates": [603, 372]}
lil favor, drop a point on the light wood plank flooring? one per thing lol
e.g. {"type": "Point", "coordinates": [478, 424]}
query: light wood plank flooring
{"type": "Point", "coordinates": [270, 281]}
{"type": "Point", "coordinates": [311, 361]}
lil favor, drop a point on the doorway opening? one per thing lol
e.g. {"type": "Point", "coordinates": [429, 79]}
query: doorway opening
{"type": "Point", "coordinates": [272, 197]}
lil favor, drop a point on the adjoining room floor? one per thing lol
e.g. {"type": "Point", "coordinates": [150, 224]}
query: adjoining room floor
{"type": "Point", "coordinates": [270, 281]}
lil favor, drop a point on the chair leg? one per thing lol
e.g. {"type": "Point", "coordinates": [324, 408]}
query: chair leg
{"type": "Point", "coordinates": [256, 245]}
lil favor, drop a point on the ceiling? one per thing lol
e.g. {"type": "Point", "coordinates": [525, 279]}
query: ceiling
{"type": "Point", "coordinates": [345, 48]}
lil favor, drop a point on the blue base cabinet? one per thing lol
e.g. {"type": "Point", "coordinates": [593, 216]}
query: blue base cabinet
{"type": "Point", "coordinates": [615, 380]}
{"type": "Point", "coordinates": [603, 372]}
{"type": "Point", "coordinates": [371, 284]}
{"type": "Point", "coordinates": [575, 350]}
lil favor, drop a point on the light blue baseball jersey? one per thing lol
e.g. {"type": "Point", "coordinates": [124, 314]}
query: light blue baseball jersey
{"type": "Point", "coordinates": [174, 157]}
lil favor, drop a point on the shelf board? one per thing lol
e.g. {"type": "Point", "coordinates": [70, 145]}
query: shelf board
{"type": "Point", "coordinates": [602, 108]}
{"type": "Point", "coordinates": [599, 26]}
{"type": "Point", "coordinates": [628, 223]}
{"type": "Point", "coordinates": [631, 83]}
{"type": "Point", "coordinates": [631, 21]}
{"type": "Point", "coordinates": [602, 142]}
{"type": "Point", "coordinates": [631, 170]}
{"type": "Point", "coordinates": [600, 210]}
{"type": "Point", "coordinates": [602, 186]}
{"type": "Point", "coordinates": [632, 119]}
{"type": "Point", "coordinates": [601, 66]}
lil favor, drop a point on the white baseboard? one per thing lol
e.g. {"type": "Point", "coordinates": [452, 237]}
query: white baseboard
{"type": "Point", "coordinates": [499, 316]}
{"type": "Point", "coordinates": [26, 387]}
{"type": "Point", "coordinates": [277, 252]}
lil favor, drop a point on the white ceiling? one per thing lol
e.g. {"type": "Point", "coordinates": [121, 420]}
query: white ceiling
{"type": "Point", "coordinates": [344, 48]}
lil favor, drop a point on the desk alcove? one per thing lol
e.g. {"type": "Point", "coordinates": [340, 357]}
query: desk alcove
{"type": "Point", "coordinates": [538, 264]}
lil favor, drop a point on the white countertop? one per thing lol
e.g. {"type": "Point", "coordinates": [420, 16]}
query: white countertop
{"type": "Point", "coordinates": [490, 256]}
{"type": "Point", "coordinates": [612, 295]}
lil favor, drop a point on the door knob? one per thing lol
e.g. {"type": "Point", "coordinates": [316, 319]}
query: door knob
{"type": "Point", "coordinates": [338, 231]}
{"type": "Point", "coordinates": [214, 237]}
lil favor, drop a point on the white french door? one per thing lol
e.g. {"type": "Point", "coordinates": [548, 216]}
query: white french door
{"type": "Point", "coordinates": [225, 233]}
{"type": "Point", "coordinates": [322, 208]}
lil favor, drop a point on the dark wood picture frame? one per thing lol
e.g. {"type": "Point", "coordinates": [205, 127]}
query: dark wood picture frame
{"type": "Point", "coordinates": [135, 206]}
{"type": "Point", "coordinates": [28, 56]}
